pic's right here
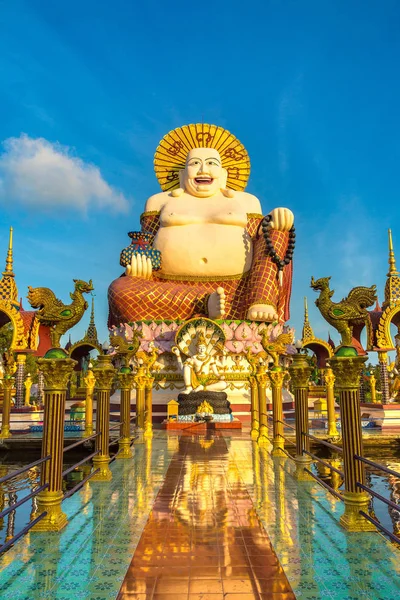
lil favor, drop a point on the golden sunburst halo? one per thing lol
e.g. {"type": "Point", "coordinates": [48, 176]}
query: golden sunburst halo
{"type": "Point", "coordinates": [170, 156]}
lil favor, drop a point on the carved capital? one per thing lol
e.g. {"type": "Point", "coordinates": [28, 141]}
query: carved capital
{"type": "Point", "coordinates": [277, 378]}
{"type": "Point", "coordinates": [56, 372]}
{"type": "Point", "coordinates": [8, 382]}
{"type": "Point", "coordinates": [126, 380]}
{"type": "Point", "coordinates": [262, 379]}
{"type": "Point", "coordinates": [347, 371]}
{"type": "Point", "coordinates": [300, 371]}
{"type": "Point", "coordinates": [149, 383]}
{"type": "Point", "coordinates": [104, 373]}
{"type": "Point", "coordinates": [329, 378]}
{"type": "Point", "coordinates": [140, 381]}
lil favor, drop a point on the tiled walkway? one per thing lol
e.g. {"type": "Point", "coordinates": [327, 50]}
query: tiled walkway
{"type": "Point", "coordinates": [208, 508]}
{"type": "Point", "coordinates": [203, 540]}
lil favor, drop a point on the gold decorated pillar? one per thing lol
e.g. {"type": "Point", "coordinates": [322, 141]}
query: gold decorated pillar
{"type": "Point", "coordinates": [90, 381]}
{"type": "Point", "coordinates": [276, 376]}
{"type": "Point", "coordinates": [56, 367]}
{"type": "Point", "coordinates": [255, 414]}
{"type": "Point", "coordinates": [148, 417]}
{"type": "Point", "coordinates": [383, 363]}
{"type": "Point", "coordinates": [346, 366]}
{"type": "Point", "coordinates": [28, 385]}
{"type": "Point", "coordinates": [140, 385]}
{"type": "Point", "coordinates": [300, 372]}
{"type": "Point", "coordinates": [125, 377]}
{"type": "Point", "coordinates": [104, 374]}
{"type": "Point", "coordinates": [8, 382]}
{"type": "Point", "coordinates": [19, 380]}
{"type": "Point", "coordinates": [262, 380]}
{"type": "Point", "coordinates": [372, 382]}
{"type": "Point", "coordinates": [330, 403]}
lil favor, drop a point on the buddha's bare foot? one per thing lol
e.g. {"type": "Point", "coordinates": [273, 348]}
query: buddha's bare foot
{"type": "Point", "coordinates": [187, 390]}
{"type": "Point", "coordinates": [216, 304]}
{"type": "Point", "coordinates": [262, 312]}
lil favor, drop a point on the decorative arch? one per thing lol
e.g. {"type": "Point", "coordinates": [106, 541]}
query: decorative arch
{"type": "Point", "coordinates": [82, 348]}
{"type": "Point", "coordinates": [322, 350]}
{"type": "Point", "coordinates": [383, 336]}
{"type": "Point", "coordinates": [19, 339]}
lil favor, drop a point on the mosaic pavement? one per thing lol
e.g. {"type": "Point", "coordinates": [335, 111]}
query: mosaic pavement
{"type": "Point", "coordinates": [222, 503]}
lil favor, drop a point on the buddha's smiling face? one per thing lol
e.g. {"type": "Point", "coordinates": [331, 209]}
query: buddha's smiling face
{"type": "Point", "coordinates": [203, 175]}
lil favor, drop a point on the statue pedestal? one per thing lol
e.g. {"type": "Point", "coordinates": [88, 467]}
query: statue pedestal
{"type": "Point", "coordinates": [189, 403]}
{"type": "Point", "coordinates": [202, 427]}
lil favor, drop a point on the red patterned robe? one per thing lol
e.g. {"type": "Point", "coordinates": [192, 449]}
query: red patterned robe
{"type": "Point", "coordinates": [139, 299]}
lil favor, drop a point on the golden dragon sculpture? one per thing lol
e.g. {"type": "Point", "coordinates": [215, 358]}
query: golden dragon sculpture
{"type": "Point", "coordinates": [56, 315]}
{"type": "Point", "coordinates": [344, 315]}
{"type": "Point", "coordinates": [277, 348]}
{"type": "Point", "coordinates": [127, 350]}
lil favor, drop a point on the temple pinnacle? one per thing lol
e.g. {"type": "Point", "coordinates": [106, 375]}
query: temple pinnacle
{"type": "Point", "coordinates": [392, 260]}
{"type": "Point", "coordinates": [9, 259]}
{"type": "Point", "coordinates": [307, 329]}
{"type": "Point", "coordinates": [91, 333]}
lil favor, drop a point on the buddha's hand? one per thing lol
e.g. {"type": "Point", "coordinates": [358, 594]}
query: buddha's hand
{"type": "Point", "coordinates": [140, 266]}
{"type": "Point", "coordinates": [282, 219]}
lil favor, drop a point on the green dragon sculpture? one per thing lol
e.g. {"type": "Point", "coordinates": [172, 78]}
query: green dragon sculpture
{"type": "Point", "coordinates": [56, 315]}
{"type": "Point", "coordinates": [344, 315]}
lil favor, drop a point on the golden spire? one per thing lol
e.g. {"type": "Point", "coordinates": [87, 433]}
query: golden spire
{"type": "Point", "coordinates": [392, 260]}
{"type": "Point", "coordinates": [307, 329]}
{"type": "Point", "coordinates": [392, 287]}
{"type": "Point", "coordinates": [8, 287]}
{"type": "Point", "coordinates": [91, 333]}
{"type": "Point", "coordinates": [9, 259]}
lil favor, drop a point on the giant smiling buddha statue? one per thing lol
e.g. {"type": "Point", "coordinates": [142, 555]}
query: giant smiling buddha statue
{"type": "Point", "coordinates": [204, 247]}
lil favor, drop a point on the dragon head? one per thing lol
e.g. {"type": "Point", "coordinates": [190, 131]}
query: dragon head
{"type": "Point", "coordinates": [322, 284]}
{"type": "Point", "coordinates": [83, 286]}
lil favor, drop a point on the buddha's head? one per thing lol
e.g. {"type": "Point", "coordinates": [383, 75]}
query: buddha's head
{"type": "Point", "coordinates": [203, 175]}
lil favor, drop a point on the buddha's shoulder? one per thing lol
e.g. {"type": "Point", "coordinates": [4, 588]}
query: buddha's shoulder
{"type": "Point", "coordinates": [250, 202]}
{"type": "Point", "coordinates": [157, 201]}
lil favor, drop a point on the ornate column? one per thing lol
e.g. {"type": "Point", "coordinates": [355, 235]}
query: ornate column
{"type": "Point", "coordinates": [90, 381]}
{"type": "Point", "coordinates": [148, 417]}
{"type": "Point", "coordinates": [140, 384]}
{"type": "Point", "coordinates": [372, 382]}
{"type": "Point", "coordinates": [104, 374]}
{"type": "Point", "coordinates": [276, 376]}
{"type": "Point", "coordinates": [262, 380]}
{"type": "Point", "coordinates": [19, 380]}
{"type": "Point", "coordinates": [57, 368]}
{"type": "Point", "coordinates": [346, 366]}
{"type": "Point", "coordinates": [383, 359]}
{"type": "Point", "coordinates": [125, 377]}
{"type": "Point", "coordinates": [362, 387]}
{"type": "Point", "coordinates": [41, 387]}
{"type": "Point", "coordinates": [255, 415]}
{"type": "Point", "coordinates": [330, 403]}
{"type": "Point", "coordinates": [8, 382]}
{"type": "Point", "coordinates": [300, 372]}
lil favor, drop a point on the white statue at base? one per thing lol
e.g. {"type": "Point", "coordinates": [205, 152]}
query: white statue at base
{"type": "Point", "coordinates": [201, 371]}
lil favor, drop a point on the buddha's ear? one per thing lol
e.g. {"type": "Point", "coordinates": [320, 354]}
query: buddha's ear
{"type": "Point", "coordinates": [179, 191]}
{"type": "Point", "coordinates": [224, 177]}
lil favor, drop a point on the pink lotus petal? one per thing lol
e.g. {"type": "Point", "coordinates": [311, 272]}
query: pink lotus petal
{"type": "Point", "coordinates": [244, 333]}
{"type": "Point", "coordinates": [234, 346]}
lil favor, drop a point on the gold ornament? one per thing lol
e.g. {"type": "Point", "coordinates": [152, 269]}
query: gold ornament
{"type": "Point", "coordinates": [170, 156]}
{"type": "Point", "coordinates": [205, 407]}
{"type": "Point", "coordinates": [56, 315]}
{"type": "Point", "coordinates": [278, 347]}
{"type": "Point", "coordinates": [351, 311]}
{"type": "Point", "coordinates": [347, 371]}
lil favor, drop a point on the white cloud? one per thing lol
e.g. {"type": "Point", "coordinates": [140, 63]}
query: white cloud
{"type": "Point", "coordinates": [40, 174]}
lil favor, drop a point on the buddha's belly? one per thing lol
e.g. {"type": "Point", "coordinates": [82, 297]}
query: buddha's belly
{"type": "Point", "coordinates": [204, 250]}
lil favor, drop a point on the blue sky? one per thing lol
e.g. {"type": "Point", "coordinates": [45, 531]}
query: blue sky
{"type": "Point", "coordinates": [311, 88]}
